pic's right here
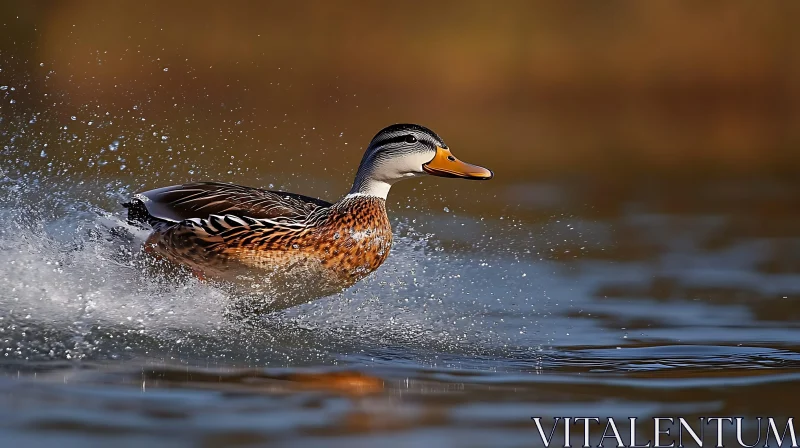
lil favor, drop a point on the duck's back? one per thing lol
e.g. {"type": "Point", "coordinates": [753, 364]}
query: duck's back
{"type": "Point", "coordinates": [201, 199]}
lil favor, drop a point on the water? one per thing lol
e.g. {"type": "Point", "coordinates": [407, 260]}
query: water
{"type": "Point", "coordinates": [473, 325]}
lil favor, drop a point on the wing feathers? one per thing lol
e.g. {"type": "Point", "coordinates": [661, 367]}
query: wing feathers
{"type": "Point", "coordinates": [240, 205]}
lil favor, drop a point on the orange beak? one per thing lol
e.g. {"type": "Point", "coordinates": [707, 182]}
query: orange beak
{"type": "Point", "coordinates": [444, 164]}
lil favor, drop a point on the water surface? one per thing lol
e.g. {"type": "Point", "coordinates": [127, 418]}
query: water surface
{"type": "Point", "coordinates": [477, 322]}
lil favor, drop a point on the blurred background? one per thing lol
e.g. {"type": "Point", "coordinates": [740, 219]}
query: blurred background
{"type": "Point", "coordinates": [690, 107]}
{"type": "Point", "coordinates": [611, 90]}
{"type": "Point", "coordinates": [638, 246]}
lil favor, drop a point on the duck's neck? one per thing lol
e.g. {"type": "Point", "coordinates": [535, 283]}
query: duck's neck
{"type": "Point", "coordinates": [367, 183]}
{"type": "Point", "coordinates": [370, 188]}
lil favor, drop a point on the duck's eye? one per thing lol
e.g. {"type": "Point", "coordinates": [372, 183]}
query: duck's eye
{"type": "Point", "coordinates": [411, 139]}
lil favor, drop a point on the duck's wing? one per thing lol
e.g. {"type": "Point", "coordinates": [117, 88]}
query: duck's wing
{"type": "Point", "coordinates": [202, 199]}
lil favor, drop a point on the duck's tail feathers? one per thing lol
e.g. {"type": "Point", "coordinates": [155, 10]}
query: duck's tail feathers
{"type": "Point", "coordinates": [139, 216]}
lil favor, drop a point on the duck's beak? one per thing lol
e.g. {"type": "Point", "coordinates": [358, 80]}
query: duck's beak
{"type": "Point", "coordinates": [444, 164]}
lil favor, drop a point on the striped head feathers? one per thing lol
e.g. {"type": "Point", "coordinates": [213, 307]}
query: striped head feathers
{"type": "Point", "coordinates": [402, 151]}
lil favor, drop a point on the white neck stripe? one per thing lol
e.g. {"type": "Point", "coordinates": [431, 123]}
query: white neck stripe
{"type": "Point", "coordinates": [371, 187]}
{"type": "Point", "coordinates": [361, 195]}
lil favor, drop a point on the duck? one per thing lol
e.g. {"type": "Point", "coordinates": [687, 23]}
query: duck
{"type": "Point", "coordinates": [292, 247]}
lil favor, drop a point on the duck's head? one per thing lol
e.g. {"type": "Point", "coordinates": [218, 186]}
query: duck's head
{"type": "Point", "coordinates": [402, 151]}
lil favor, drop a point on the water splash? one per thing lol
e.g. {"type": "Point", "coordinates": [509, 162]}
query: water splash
{"type": "Point", "coordinates": [71, 268]}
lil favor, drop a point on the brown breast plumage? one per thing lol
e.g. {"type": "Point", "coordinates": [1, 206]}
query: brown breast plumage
{"type": "Point", "coordinates": [348, 242]}
{"type": "Point", "coordinates": [356, 238]}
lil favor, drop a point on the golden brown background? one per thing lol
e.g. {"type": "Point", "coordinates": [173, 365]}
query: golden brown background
{"type": "Point", "coordinates": [537, 88]}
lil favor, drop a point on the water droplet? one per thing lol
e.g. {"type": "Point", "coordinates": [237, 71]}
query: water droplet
{"type": "Point", "coordinates": [73, 118]}
{"type": "Point", "coordinates": [446, 210]}
{"type": "Point", "coordinates": [114, 145]}
{"type": "Point", "coordinates": [43, 154]}
{"type": "Point", "coordinates": [3, 87]}
{"type": "Point", "coordinates": [41, 64]}
{"type": "Point", "coordinates": [166, 69]}
{"type": "Point", "coordinates": [164, 138]}
{"type": "Point", "coordinates": [122, 167]}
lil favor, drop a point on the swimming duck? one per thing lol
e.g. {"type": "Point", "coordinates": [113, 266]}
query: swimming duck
{"type": "Point", "coordinates": [306, 248]}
